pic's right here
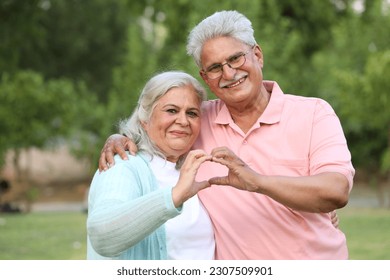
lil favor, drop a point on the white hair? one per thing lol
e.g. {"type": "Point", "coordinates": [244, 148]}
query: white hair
{"type": "Point", "coordinates": [154, 89]}
{"type": "Point", "coordinates": [220, 24]}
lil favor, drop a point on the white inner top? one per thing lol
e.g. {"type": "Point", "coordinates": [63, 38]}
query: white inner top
{"type": "Point", "coordinates": [190, 235]}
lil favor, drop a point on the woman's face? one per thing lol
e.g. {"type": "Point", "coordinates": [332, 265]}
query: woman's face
{"type": "Point", "coordinates": [175, 122]}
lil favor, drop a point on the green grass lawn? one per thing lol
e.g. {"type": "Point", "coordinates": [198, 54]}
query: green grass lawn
{"type": "Point", "coordinates": [43, 236]}
{"type": "Point", "coordinates": [62, 236]}
{"type": "Point", "coordinates": [367, 231]}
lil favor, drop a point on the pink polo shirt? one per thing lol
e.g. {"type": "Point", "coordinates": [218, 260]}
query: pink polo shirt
{"type": "Point", "coordinates": [295, 136]}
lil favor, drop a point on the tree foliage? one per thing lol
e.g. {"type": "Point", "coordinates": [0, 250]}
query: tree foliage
{"type": "Point", "coordinates": [355, 67]}
{"type": "Point", "coordinates": [79, 40]}
{"type": "Point", "coordinates": [37, 113]}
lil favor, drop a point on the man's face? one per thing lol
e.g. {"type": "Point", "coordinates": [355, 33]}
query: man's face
{"type": "Point", "coordinates": [234, 86]}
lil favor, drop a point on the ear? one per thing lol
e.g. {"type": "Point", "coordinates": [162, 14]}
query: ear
{"type": "Point", "coordinates": [259, 54]}
{"type": "Point", "coordinates": [204, 77]}
{"type": "Point", "coordinates": [144, 125]}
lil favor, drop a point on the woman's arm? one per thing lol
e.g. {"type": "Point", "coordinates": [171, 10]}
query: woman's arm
{"type": "Point", "coordinates": [120, 215]}
{"type": "Point", "coordinates": [126, 205]}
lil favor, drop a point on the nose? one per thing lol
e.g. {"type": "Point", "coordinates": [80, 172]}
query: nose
{"type": "Point", "coordinates": [182, 119]}
{"type": "Point", "coordinates": [228, 72]}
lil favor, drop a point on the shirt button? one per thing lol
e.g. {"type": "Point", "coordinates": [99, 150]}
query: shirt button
{"type": "Point", "coordinates": [245, 142]}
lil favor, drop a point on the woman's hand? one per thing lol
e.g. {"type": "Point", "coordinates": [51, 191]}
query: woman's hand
{"type": "Point", "coordinates": [186, 186]}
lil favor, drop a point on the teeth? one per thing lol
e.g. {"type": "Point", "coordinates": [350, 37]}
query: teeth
{"type": "Point", "coordinates": [236, 84]}
{"type": "Point", "coordinates": [233, 85]}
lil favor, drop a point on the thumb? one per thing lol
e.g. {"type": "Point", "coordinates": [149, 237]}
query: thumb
{"type": "Point", "coordinates": [203, 185]}
{"type": "Point", "coordinates": [219, 181]}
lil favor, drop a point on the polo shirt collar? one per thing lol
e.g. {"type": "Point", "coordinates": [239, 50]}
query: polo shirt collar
{"type": "Point", "coordinates": [272, 113]}
{"type": "Point", "coordinates": [223, 116]}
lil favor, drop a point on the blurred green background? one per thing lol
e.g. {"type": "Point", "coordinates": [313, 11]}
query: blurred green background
{"type": "Point", "coordinates": [70, 70]}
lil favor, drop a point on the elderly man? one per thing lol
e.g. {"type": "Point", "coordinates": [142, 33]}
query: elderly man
{"type": "Point", "coordinates": [280, 162]}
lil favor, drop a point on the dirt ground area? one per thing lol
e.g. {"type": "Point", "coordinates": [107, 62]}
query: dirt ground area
{"type": "Point", "coordinates": [52, 176]}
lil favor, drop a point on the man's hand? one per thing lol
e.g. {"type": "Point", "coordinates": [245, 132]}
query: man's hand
{"type": "Point", "coordinates": [115, 144]}
{"type": "Point", "coordinates": [335, 219]}
{"type": "Point", "coordinates": [240, 175]}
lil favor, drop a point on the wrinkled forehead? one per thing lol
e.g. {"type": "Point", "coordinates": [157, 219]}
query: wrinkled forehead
{"type": "Point", "coordinates": [181, 97]}
{"type": "Point", "coordinates": [217, 50]}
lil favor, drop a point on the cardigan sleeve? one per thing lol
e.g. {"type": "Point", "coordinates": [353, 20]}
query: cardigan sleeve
{"type": "Point", "coordinates": [125, 206]}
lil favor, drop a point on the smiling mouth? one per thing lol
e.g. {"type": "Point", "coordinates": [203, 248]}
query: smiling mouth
{"type": "Point", "coordinates": [238, 82]}
{"type": "Point", "coordinates": [179, 133]}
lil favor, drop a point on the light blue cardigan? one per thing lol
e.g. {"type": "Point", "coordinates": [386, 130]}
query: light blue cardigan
{"type": "Point", "coordinates": [127, 211]}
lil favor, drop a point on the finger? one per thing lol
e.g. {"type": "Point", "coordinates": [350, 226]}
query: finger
{"type": "Point", "coordinates": [106, 159]}
{"type": "Point", "coordinates": [200, 158]}
{"type": "Point", "coordinates": [197, 152]}
{"type": "Point", "coordinates": [198, 162]}
{"type": "Point", "coordinates": [223, 154]}
{"type": "Point", "coordinates": [122, 153]}
{"type": "Point", "coordinates": [227, 162]}
{"type": "Point", "coordinates": [335, 219]}
{"type": "Point", "coordinates": [119, 148]}
{"type": "Point", "coordinates": [219, 153]}
{"type": "Point", "coordinates": [198, 155]}
{"type": "Point", "coordinates": [219, 181]}
{"type": "Point", "coordinates": [109, 155]}
{"type": "Point", "coordinates": [131, 147]}
{"type": "Point", "coordinates": [335, 222]}
{"type": "Point", "coordinates": [202, 185]}
{"type": "Point", "coordinates": [102, 162]}
{"type": "Point", "coordinates": [193, 162]}
{"type": "Point", "coordinates": [224, 150]}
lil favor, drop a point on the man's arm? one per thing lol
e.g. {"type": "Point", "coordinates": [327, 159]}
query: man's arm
{"type": "Point", "coordinates": [115, 144]}
{"type": "Point", "coordinates": [323, 192]}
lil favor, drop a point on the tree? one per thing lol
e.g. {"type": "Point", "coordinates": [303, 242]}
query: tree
{"type": "Point", "coordinates": [78, 40]}
{"type": "Point", "coordinates": [353, 72]}
{"type": "Point", "coordinates": [36, 113]}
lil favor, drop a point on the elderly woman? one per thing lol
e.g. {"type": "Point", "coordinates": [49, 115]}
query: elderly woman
{"type": "Point", "coordinates": [147, 207]}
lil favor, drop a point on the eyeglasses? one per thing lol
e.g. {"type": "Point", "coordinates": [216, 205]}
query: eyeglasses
{"type": "Point", "coordinates": [235, 61]}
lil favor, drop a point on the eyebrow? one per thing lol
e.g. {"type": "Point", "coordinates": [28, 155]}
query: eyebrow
{"type": "Point", "coordinates": [219, 63]}
{"type": "Point", "coordinates": [191, 108]}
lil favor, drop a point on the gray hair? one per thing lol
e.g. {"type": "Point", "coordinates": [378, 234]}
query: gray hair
{"type": "Point", "coordinates": [220, 24]}
{"type": "Point", "coordinates": [154, 89]}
